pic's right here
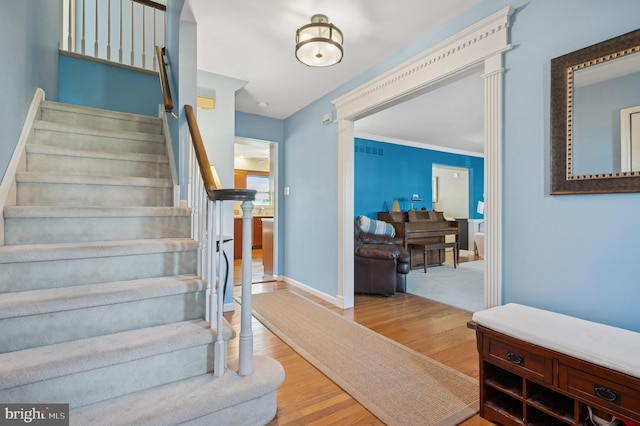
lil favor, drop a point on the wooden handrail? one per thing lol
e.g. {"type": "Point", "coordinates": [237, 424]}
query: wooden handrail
{"type": "Point", "coordinates": [210, 180]}
{"type": "Point", "coordinates": [152, 4]}
{"type": "Point", "coordinates": [201, 153]}
{"type": "Point", "coordinates": [164, 80]}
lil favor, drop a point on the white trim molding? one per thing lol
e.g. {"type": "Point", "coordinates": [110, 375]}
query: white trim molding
{"type": "Point", "coordinates": [8, 189]}
{"type": "Point", "coordinates": [482, 43]}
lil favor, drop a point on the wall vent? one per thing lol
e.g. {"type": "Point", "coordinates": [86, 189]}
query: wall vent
{"type": "Point", "coordinates": [361, 149]}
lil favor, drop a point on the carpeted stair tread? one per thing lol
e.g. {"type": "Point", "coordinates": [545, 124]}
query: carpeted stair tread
{"type": "Point", "coordinates": [89, 131]}
{"type": "Point", "coordinates": [100, 114]}
{"type": "Point", "coordinates": [105, 155]}
{"type": "Point", "coordinates": [66, 251]}
{"type": "Point", "coordinates": [81, 109]}
{"type": "Point", "coordinates": [191, 400]}
{"type": "Point", "coordinates": [38, 302]}
{"type": "Point", "coordinates": [46, 362]}
{"type": "Point", "coordinates": [15, 212]}
{"type": "Point", "coordinates": [56, 178]}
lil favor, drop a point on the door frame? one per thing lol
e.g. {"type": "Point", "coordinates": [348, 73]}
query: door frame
{"type": "Point", "coordinates": [273, 172]}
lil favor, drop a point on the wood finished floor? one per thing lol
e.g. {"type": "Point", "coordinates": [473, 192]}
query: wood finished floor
{"type": "Point", "coordinates": [307, 397]}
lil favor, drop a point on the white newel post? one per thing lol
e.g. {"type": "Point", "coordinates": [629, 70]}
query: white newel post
{"type": "Point", "coordinates": [246, 333]}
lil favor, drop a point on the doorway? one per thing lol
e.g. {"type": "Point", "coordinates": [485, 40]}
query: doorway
{"type": "Point", "coordinates": [255, 168]}
{"type": "Point", "coordinates": [456, 54]}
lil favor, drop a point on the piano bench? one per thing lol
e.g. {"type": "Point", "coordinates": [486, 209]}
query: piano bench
{"type": "Point", "coordinates": [438, 246]}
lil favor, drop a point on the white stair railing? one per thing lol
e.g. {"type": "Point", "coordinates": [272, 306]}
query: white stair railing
{"type": "Point", "coordinates": [132, 26]}
{"type": "Point", "coordinates": [206, 197]}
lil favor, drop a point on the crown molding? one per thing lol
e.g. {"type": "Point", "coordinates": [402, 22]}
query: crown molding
{"type": "Point", "coordinates": [465, 49]}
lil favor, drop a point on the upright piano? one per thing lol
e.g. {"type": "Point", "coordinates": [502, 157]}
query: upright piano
{"type": "Point", "coordinates": [421, 227]}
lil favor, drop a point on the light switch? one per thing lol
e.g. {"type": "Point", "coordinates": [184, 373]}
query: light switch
{"type": "Point", "coordinates": [286, 190]}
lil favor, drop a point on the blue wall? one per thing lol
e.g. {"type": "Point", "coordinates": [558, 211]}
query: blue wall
{"type": "Point", "coordinates": [29, 32]}
{"type": "Point", "coordinates": [174, 8]}
{"type": "Point", "coordinates": [574, 254]}
{"type": "Point", "coordinates": [556, 248]}
{"type": "Point", "coordinates": [311, 208]}
{"type": "Point", "coordinates": [385, 172]}
{"type": "Point", "coordinates": [100, 85]}
{"type": "Point", "coordinates": [258, 127]}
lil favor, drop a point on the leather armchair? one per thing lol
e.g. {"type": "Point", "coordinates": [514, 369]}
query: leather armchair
{"type": "Point", "coordinates": [380, 265]}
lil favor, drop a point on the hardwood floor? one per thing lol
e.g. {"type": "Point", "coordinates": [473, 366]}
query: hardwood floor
{"type": "Point", "coordinates": [307, 397]}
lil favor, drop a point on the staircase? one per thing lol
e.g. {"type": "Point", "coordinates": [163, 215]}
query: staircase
{"type": "Point", "coordinates": [100, 304]}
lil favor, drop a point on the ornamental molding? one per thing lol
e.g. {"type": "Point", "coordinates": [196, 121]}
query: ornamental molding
{"type": "Point", "coordinates": [464, 50]}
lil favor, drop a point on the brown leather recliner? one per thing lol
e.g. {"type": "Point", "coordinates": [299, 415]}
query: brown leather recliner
{"type": "Point", "coordinates": [380, 266]}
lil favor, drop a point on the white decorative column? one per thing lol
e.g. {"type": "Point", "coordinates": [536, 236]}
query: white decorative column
{"type": "Point", "coordinates": [493, 180]}
{"type": "Point", "coordinates": [345, 221]}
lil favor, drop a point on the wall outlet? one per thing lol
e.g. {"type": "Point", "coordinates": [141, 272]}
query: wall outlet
{"type": "Point", "coordinates": [286, 190]}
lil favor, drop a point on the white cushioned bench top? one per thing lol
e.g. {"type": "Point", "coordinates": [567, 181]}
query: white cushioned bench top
{"type": "Point", "coordinates": [600, 344]}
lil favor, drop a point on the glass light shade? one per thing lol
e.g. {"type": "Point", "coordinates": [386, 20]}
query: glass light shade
{"type": "Point", "coordinates": [319, 44]}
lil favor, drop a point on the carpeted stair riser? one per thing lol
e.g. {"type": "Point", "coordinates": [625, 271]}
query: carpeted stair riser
{"type": "Point", "coordinates": [68, 136]}
{"type": "Point", "coordinates": [37, 318]}
{"type": "Point", "coordinates": [107, 367]}
{"type": "Point", "coordinates": [49, 225]}
{"type": "Point", "coordinates": [48, 159]}
{"type": "Point", "coordinates": [203, 400]}
{"type": "Point", "coordinates": [99, 119]}
{"type": "Point", "coordinates": [42, 189]}
{"type": "Point", "coordinates": [66, 265]}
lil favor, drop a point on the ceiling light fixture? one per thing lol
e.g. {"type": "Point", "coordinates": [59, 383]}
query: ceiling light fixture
{"type": "Point", "coordinates": [319, 44]}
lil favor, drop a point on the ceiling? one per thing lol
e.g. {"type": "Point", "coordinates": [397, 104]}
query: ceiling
{"type": "Point", "coordinates": [254, 41]}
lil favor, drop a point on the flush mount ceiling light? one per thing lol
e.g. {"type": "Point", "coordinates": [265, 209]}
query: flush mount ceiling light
{"type": "Point", "coordinates": [319, 44]}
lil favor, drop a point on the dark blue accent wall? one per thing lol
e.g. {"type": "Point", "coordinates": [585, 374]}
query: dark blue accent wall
{"type": "Point", "coordinates": [100, 85]}
{"type": "Point", "coordinates": [385, 172]}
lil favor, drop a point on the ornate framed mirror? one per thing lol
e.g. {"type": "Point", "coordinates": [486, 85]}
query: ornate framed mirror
{"type": "Point", "coordinates": [595, 118]}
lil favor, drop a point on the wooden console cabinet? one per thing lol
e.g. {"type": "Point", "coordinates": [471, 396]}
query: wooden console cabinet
{"type": "Point", "coordinates": [256, 240]}
{"type": "Point", "coordinates": [525, 384]}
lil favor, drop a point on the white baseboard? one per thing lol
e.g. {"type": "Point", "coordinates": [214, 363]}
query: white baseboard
{"type": "Point", "coordinates": [323, 296]}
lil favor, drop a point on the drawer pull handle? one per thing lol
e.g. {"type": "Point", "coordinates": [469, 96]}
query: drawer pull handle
{"type": "Point", "coordinates": [515, 358]}
{"type": "Point", "coordinates": [605, 393]}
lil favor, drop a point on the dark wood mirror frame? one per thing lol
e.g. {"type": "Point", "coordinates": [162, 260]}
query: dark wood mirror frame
{"type": "Point", "coordinates": [562, 181]}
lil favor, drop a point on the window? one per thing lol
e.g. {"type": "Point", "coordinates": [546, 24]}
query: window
{"type": "Point", "coordinates": [261, 184]}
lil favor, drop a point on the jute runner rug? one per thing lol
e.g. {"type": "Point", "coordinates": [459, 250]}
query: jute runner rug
{"type": "Point", "coordinates": [398, 385]}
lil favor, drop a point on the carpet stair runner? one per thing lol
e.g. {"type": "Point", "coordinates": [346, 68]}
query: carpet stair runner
{"type": "Point", "coordinates": [100, 305]}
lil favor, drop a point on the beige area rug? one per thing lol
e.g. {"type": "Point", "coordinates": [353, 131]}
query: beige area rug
{"type": "Point", "coordinates": [462, 287]}
{"type": "Point", "coordinates": [398, 385]}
